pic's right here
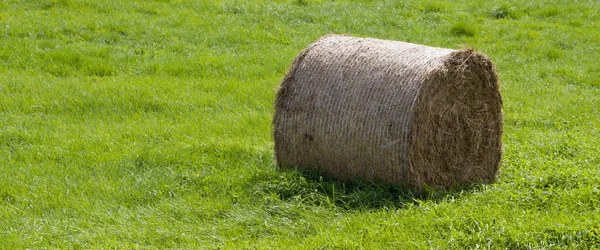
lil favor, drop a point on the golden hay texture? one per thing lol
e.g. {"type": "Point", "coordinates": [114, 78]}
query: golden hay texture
{"type": "Point", "coordinates": [390, 112]}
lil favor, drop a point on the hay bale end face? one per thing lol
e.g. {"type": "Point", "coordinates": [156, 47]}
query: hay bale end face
{"type": "Point", "coordinates": [390, 112]}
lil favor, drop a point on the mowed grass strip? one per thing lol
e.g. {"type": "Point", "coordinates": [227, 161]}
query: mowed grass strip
{"type": "Point", "coordinates": [147, 124]}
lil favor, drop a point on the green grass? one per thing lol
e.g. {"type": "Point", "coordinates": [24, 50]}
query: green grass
{"type": "Point", "coordinates": [147, 124]}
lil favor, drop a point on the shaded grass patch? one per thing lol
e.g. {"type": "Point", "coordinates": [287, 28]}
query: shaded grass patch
{"type": "Point", "coordinates": [463, 28]}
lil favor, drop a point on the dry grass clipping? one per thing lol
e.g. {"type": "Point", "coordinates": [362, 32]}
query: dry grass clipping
{"type": "Point", "coordinates": [390, 112]}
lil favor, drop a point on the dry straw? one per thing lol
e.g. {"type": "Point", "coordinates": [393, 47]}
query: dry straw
{"type": "Point", "coordinates": [390, 112]}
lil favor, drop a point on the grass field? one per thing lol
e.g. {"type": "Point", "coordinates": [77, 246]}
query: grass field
{"type": "Point", "coordinates": [147, 124]}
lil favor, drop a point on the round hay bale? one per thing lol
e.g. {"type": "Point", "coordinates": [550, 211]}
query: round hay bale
{"type": "Point", "coordinates": [390, 112]}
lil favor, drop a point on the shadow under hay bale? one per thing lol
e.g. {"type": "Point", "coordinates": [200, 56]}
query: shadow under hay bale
{"type": "Point", "coordinates": [311, 189]}
{"type": "Point", "coordinates": [390, 112]}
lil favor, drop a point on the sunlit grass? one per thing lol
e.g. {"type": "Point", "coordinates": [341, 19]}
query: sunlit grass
{"type": "Point", "coordinates": [147, 124]}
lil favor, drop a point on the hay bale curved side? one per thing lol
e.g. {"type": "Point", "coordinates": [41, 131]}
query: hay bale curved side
{"type": "Point", "coordinates": [349, 109]}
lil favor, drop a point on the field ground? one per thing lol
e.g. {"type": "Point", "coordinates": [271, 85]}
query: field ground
{"type": "Point", "coordinates": [146, 124]}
